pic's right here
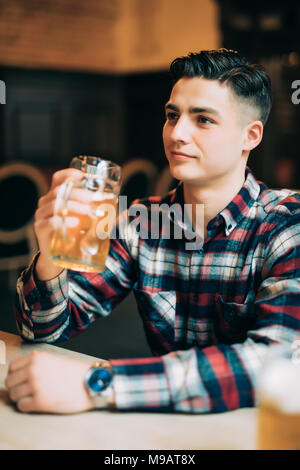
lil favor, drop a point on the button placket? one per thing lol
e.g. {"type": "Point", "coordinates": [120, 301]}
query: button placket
{"type": "Point", "coordinates": [195, 274]}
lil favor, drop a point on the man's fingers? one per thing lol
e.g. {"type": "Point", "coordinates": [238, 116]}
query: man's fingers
{"type": "Point", "coordinates": [20, 362]}
{"type": "Point", "coordinates": [60, 176]}
{"type": "Point", "coordinates": [54, 223]}
{"type": "Point", "coordinates": [46, 210]}
{"type": "Point", "coordinates": [16, 377]}
{"type": "Point", "coordinates": [74, 207]}
{"type": "Point", "coordinates": [80, 195]}
{"type": "Point", "coordinates": [27, 404]}
{"type": "Point", "coordinates": [20, 391]}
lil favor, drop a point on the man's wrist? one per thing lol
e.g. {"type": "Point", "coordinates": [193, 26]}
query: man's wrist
{"type": "Point", "coordinates": [45, 270]}
{"type": "Point", "coordinates": [99, 385]}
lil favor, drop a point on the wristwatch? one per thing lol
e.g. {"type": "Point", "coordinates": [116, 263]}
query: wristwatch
{"type": "Point", "coordinates": [98, 381]}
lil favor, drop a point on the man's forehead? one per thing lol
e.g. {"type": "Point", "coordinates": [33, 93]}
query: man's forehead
{"type": "Point", "coordinates": [199, 84]}
{"type": "Point", "coordinates": [198, 92]}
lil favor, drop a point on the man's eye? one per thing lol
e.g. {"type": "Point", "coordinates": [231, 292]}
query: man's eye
{"type": "Point", "coordinates": [203, 120]}
{"type": "Point", "coordinates": [171, 116]}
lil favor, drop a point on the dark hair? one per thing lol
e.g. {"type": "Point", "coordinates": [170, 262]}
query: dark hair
{"type": "Point", "coordinates": [249, 82]}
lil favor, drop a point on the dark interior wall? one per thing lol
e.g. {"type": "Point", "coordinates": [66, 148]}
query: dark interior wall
{"type": "Point", "coordinates": [51, 116]}
{"type": "Point", "coordinates": [145, 98]}
{"type": "Point", "coordinates": [260, 29]}
{"type": "Point", "coordinates": [268, 33]}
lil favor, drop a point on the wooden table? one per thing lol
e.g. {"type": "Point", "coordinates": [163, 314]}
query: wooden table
{"type": "Point", "coordinates": [115, 430]}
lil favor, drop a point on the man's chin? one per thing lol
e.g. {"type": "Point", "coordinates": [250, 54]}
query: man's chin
{"type": "Point", "coordinates": [184, 175]}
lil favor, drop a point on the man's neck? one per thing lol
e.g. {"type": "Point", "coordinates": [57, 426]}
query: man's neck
{"type": "Point", "coordinates": [214, 197]}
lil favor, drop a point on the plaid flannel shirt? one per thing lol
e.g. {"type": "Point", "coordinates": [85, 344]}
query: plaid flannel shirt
{"type": "Point", "coordinates": [209, 314]}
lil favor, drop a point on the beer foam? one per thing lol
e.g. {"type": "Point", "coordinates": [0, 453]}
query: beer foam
{"type": "Point", "coordinates": [279, 385]}
{"type": "Point", "coordinates": [102, 196]}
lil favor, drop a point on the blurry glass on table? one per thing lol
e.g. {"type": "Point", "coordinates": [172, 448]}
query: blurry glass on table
{"type": "Point", "coordinates": [278, 426]}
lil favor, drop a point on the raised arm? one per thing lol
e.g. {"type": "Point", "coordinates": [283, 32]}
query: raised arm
{"type": "Point", "coordinates": [54, 304]}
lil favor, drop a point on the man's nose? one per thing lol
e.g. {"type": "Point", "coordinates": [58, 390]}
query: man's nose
{"type": "Point", "coordinates": [181, 130]}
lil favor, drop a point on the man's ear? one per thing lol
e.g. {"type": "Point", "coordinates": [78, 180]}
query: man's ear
{"type": "Point", "coordinates": [253, 135]}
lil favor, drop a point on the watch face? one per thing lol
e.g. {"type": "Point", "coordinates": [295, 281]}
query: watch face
{"type": "Point", "coordinates": [99, 379]}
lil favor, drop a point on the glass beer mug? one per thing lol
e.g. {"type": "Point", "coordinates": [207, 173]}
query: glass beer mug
{"type": "Point", "coordinates": [278, 424]}
{"type": "Point", "coordinates": [93, 205]}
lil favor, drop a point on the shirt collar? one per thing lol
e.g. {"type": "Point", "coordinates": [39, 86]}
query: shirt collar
{"type": "Point", "coordinates": [241, 204]}
{"type": "Point", "coordinates": [236, 210]}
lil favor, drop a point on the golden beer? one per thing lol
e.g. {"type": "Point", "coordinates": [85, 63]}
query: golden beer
{"type": "Point", "coordinates": [85, 247]}
{"type": "Point", "coordinates": [277, 430]}
{"type": "Point", "coordinates": [91, 204]}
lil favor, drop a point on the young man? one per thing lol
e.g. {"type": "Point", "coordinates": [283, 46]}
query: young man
{"type": "Point", "coordinates": [210, 312]}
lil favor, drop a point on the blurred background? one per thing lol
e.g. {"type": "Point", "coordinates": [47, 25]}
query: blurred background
{"type": "Point", "coordinates": [92, 78]}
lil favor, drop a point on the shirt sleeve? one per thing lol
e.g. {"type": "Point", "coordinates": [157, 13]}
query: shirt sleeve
{"type": "Point", "coordinates": [223, 376]}
{"type": "Point", "coordinates": [55, 310]}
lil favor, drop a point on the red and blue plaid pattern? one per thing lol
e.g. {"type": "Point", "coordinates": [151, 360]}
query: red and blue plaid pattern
{"type": "Point", "coordinates": [209, 314]}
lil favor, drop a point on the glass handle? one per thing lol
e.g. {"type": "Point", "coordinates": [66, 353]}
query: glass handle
{"type": "Point", "coordinates": [61, 203]}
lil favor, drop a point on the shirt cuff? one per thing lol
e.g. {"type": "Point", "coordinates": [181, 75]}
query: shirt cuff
{"type": "Point", "coordinates": [168, 383]}
{"type": "Point", "coordinates": [42, 294]}
{"type": "Point", "coordinates": [140, 384]}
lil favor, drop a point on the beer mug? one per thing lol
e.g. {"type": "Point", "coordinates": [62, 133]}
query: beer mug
{"type": "Point", "coordinates": [84, 245]}
{"type": "Point", "coordinates": [278, 424]}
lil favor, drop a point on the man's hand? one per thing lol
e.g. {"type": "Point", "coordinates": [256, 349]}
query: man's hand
{"type": "Point", "coordinates": [46, 222]}
{"type": "Point", "coordinates": [48, 383]}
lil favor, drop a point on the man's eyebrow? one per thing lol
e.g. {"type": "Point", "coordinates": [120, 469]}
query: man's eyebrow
{"type": "Point", "coordinates": [172, 107]}
{"type": "Point", "coordinates": [194, 109]}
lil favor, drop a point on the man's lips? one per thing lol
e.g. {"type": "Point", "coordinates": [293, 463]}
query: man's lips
{"type": "Point", "coordinates": [180, 155]}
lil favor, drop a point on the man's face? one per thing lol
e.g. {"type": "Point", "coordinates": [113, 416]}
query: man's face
{"type": "Point", "coordinates": [204, 131]}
